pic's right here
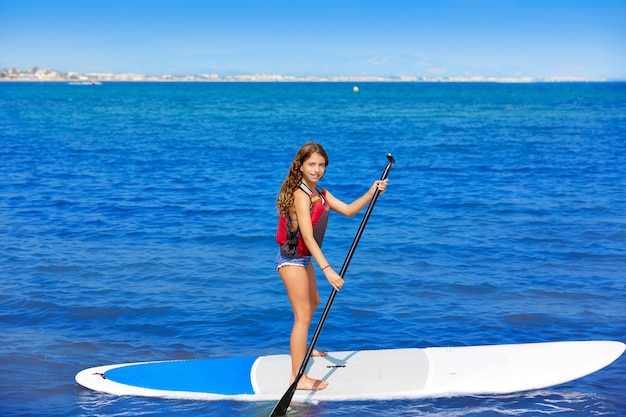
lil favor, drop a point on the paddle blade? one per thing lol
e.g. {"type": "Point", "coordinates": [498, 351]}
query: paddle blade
{"type": "Point", "coordinates": [283, 404]}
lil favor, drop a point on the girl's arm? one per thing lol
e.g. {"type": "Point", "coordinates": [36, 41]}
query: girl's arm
{"type": "Point", "coordinates": [358, 204]}
{"type": "Point", "coordinates": [303, 212]}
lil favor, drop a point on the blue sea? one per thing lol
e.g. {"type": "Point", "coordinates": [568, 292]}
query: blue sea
{"type": "Point", "coordinates": [137, 223]}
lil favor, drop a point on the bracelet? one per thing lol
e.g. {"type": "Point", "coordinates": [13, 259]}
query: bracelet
{"type": "Point", "coordinates": [327, 266]}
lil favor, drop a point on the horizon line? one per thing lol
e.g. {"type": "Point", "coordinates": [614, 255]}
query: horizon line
{"type": "Point", "coordinates": [46, 75]}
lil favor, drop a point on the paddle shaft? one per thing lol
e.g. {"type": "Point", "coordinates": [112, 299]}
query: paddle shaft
{"type": "Point", "coordinates": [283, 404]}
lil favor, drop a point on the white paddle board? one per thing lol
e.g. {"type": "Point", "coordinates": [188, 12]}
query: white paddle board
{"type": "Point", "coordinates": [359, 375]}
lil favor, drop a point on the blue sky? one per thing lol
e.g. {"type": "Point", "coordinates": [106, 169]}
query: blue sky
{"type": "Point", "coordinates": [434, 38]}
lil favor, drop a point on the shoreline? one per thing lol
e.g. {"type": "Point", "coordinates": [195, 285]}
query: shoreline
{"type": "Point", "coordinates": [228, 81]}
{"type": "Point", "coordinates": [43, 75]}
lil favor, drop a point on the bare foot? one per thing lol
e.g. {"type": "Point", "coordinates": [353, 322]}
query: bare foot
{"type": "Point", "coordinates": [310, 384]}
{"type": "Point", "coordinates": [319, 353]}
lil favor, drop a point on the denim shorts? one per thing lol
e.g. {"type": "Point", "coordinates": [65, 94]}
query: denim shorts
{"type": "Point", "coordinates": [282, 260]}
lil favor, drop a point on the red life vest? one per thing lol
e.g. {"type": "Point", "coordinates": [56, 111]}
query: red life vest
{"type": "Point", "coordinates": [291, 242]}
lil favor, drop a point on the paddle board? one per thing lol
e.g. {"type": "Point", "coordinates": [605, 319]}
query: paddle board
{"type": "Point", "coordinates": [366, 374]}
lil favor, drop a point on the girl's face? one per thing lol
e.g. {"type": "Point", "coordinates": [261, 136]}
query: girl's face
{"type": "Point", "coordinates": [313, 168]}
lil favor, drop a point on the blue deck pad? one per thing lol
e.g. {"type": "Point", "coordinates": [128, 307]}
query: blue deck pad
{"type": "Point", "coordinates": [226, 376]}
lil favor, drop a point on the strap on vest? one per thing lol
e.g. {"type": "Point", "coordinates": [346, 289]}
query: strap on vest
{"type": "Point", "coordinates": [307, 190]}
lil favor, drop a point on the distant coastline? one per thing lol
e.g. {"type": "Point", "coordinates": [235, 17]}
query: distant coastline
{"type": "Point", "coordinates": [44, 75]}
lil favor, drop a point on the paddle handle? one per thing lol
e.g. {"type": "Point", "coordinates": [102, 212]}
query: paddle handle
{"type": "Point", "coordinates": [283, 404]}
{"type": "Point", "coordinates": [366, 217]}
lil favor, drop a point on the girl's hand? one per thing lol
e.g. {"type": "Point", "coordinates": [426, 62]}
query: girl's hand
{"type": "Point", "coordinates": [380, 185]}
{"type": "Point", "coordinates": [334, 278]}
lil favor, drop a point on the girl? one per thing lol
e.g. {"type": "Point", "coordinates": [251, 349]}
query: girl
{"type": "Point", "coordinates": [303, 208]}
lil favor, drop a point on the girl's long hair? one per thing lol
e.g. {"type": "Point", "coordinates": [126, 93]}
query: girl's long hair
{"type": "Point", "coordinates": [284, 201]}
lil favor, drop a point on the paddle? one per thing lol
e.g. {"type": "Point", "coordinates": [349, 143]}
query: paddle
{"type": "Point", "coordinates": [283, 404]}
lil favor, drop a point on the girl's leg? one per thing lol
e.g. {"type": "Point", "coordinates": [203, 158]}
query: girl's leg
{"type": "Point", "coordinates": [302, 293]}
{"type": "Point", "coordinates": [314, 298]}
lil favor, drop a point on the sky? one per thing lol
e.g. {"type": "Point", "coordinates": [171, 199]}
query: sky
{"type": "Point", "coordinates": [387, 38]}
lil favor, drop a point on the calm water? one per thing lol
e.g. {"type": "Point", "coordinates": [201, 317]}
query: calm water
{"type": "Point", "coordinates": [137, 223]}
